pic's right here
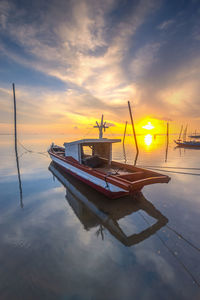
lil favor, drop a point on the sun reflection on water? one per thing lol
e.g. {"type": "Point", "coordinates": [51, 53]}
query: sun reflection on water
{"type": "Point", "coordinates": [148, 139]}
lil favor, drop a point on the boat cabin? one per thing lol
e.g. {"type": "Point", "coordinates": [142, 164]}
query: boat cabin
{"type": "Point", "coordinates": [90, 152]}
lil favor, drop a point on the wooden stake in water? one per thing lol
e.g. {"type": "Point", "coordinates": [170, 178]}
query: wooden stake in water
{"type": "Point", "coordinates": [134, 133]}
{"type": "Point", "coordinates": [15, 117]}
{"type": "Point", "coordinates": [124, 150]}
{"type": "Point", "coordinates": [124, 132]}
{"type": "Point", "coordinates": [16, 152]}
{"type": "Point", "coordinates": [167, 132]}
{"type": "Point", "coordinates": [167, 144]}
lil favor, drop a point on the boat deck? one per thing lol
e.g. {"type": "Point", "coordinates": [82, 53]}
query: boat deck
{"type": "Point", "coordinates": [106, 169]}
{"type": "Point", "coordinates": [114, 172]}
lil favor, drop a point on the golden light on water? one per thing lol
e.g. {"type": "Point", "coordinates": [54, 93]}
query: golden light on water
{"type": "Point", "coordinates": [148, 139]}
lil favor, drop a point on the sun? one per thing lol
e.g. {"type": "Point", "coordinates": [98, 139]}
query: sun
{"type": "Point", "coordinates": [149, 126]}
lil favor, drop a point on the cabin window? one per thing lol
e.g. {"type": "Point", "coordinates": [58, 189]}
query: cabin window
{"type": "Point", "coordinates": [87, 151]}
{"type": "Point", "coordinates": [95, 152]}
{"type": "Point", "coordinates": [103, 150]}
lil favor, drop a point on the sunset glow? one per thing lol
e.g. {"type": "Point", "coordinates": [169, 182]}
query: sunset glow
{"type": "Point", "coordinates": [149, 126]}
{"type": "Point", "coordinates": [85, 58]}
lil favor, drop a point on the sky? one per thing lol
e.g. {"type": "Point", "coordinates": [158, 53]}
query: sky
{"type": "Point", "coordinates": [73, 60]}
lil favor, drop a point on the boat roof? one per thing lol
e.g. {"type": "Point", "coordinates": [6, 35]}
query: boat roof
{"type": "Point", "coordinates": [93, 141]}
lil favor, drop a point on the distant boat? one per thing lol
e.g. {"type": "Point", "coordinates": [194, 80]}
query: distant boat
{"type": "Point", "coordinates": [188, 144]}
{"type": "Point", "coordinates": [185, 143]}
{"type": "Point", "coordinates": [94, 211]}
{"type": "Point", "coordinates": [90, 160]}
{"type": "Point", "coordinates": [195, 136]}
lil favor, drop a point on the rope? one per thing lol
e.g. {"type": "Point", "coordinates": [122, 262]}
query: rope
{"type": "Point", "coordinates": [31, 151]}
{"type": "Point", "coordinates": [87, 133]}
{"type": "Point", "coordinates": [105, 178]}
{"type": "Point", "coordinates": [174, 254]}
{"type": "Point", "coordinates": [183, 238]}
{"type": "Point", "coordinates": [112, 134]}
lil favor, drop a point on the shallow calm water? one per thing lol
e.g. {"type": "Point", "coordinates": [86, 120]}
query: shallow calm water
{"type": "Point", "coordinates": [62, 240]}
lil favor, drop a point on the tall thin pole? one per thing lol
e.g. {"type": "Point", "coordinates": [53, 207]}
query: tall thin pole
{"type": "Point", "coordinates": [15, 117]}
{"type": "Point", "coordinates": [167, 144]}
{"type": "Point", "coordinates": [185, 134]}
{"type": "Point", "coordinates": [124, 150]}
{"type": "Point", "coordinates": [16, 152]}
{"type": "Point", "coordinates": [124, 132]}
{"type": "Point", "coordinates": [134, 133]}
{"type": "Point", "coordinates": [167, 132]}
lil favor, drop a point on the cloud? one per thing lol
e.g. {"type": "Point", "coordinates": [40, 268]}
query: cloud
{"type": "Point", "coordinates": [64, 47]}
{"type": "Point", "coordinates": [166, 24]}
{"type": "Point", "coordinates": [106, 52]}
{"type": "Point", "coordinates": [4, 13]}
{"type": "Point", "coordinates": [144, 59]}
{"type": "Point", "coordinates": [161, 118]}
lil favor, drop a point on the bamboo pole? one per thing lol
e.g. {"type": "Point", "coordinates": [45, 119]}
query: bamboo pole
{"type": "Point", "coordinates": [167, 144]}
{"type": "Point", "coordinates": [134, 133]}
{"type": "Point", "coordinates": [16, 152]}
{"type": "Point", "coordinates": [124, 133]}
{"type": "Point", "coordinates": [124, 150]}
{"type": "Point", "coordinates": [15, 117]}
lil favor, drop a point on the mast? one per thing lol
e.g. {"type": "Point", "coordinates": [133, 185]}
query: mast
{"type": "Point", "coordinates": [185, 134]}
{"type": "Point", "coordinates": [180, 133]}
{"type": "Point", "coordinates": [101, 127]}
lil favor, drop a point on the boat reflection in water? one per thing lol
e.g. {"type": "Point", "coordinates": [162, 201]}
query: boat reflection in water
{"type": "Point", "coordinates": [93, 209]}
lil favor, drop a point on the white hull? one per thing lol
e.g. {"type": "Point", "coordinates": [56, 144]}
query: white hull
{"type": "Point", "coordinates": [93, 179]}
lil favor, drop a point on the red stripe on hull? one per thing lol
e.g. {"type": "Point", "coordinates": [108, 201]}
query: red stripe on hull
{"type": "Point", "coordinates": [107, 193]}
{"type": "Point", "coordinates": [115, 181]}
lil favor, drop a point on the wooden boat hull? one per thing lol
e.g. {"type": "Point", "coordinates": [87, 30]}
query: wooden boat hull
{"type": "Point", "coordinates": [110, 190]}
{"type": "Point", "coordinates": [111, 185]}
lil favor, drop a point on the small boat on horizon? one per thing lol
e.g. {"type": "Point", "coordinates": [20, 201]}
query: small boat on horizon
{"type": "Point", "coordinates": [188, 144]}
{"type": "Point", "coordinates": [90, 160]}
{"type": "Point", "coordinates": [182, 142]}
{"type": "Point", "coordinates": [195, 135]}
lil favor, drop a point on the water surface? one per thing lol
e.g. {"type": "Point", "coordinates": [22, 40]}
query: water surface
{"type": "Point", "coordinates": [62, 240]}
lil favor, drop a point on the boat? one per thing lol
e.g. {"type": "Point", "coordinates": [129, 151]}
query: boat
{"type": "Point", "coordinates": [195, 135]}
{"type": "Point", "coordinates": [188, 144]}
{"type": "Point", "coordinates": [94, 211]}
{"type": "Point", "coordinates": [185, 143]}
{"type": "Point", "coordinates": [90, 160]}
